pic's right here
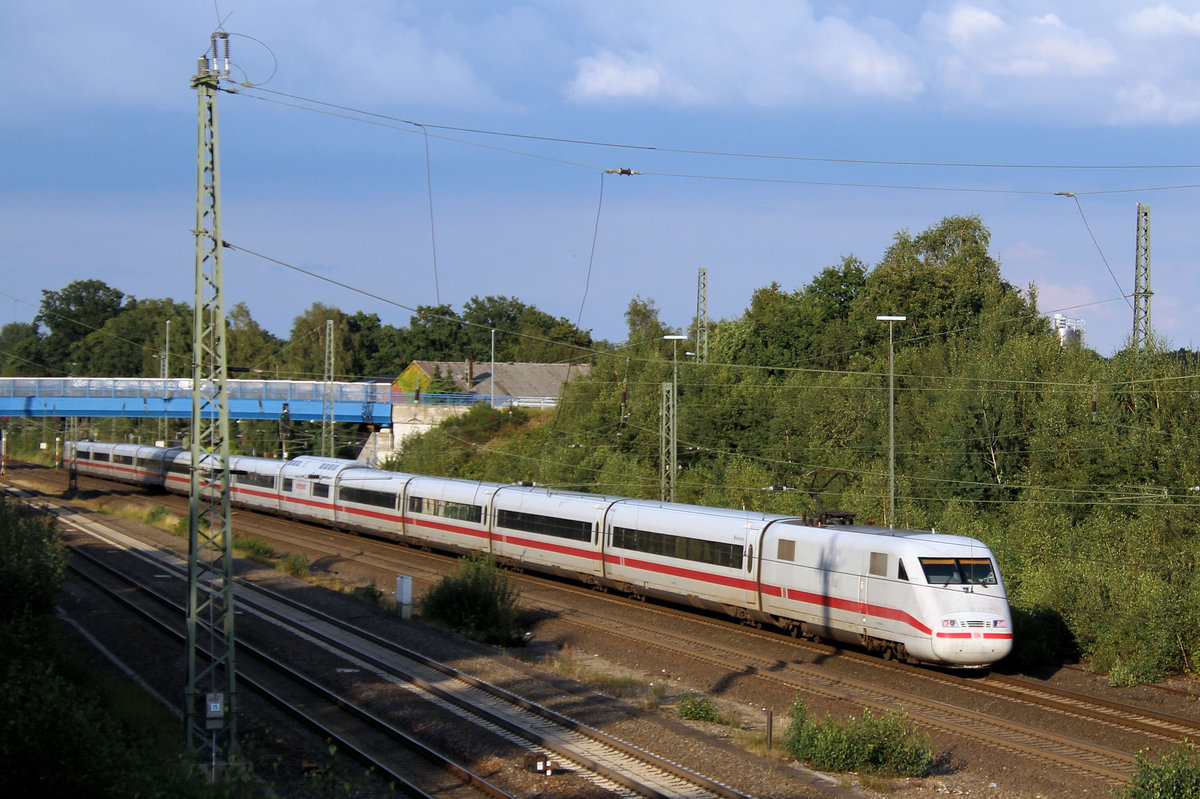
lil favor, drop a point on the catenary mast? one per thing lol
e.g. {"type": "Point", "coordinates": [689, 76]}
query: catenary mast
{"type": "Point", "coordinates": [211, 694]}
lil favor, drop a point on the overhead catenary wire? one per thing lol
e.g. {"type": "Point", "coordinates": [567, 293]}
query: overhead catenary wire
{"type": "Point", "coordinates": [388, 120]}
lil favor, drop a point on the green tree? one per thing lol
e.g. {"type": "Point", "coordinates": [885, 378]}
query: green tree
{"type": "Point", "coordinates": [948, 285]}
{"type": "Point", "coordinates": [79, 309]}
{"type": "Point", "coordinates": [131, 343]}
{"type": "Point", "coordinates": [248, 345]}
{"type": "Point", "coordinates": [21, 350]}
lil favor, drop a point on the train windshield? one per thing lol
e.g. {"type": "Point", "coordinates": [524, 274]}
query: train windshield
{"type": "Point", "coordinates": [959, 571]}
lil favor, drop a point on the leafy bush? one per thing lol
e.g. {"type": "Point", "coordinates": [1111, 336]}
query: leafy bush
{"type": "Point", "coordinates": [698, 708]}
{"type": "Point", "coordinates": [157, 514]}
{"type": "Point", "coordinates": [61, 732]}
{"type": "Point", "coordinates": [884, 745]}
{"type": "Point", "coordinates": [295, 564]}
{"type": "Point", "coordinates": [1042, 638]}
{"type": "Point", "coordinates": [1175, 776]}
{"type": "Point", "coordinates": [477, 601]}
{"type": "Point", "coordinates": [32, 561]}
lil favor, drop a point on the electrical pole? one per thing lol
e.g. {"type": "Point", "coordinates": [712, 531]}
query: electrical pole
{"type": "Point", "coordinates": [164, 372]}
{"type": "Point", "coordinates": [211, 693]}
{"type": "Point", "coordinates": [1141, 281]}
{"type": "Point", "coordinates": [327, 394]}
{"type": "Point", "coordinates": [668, 447]}
{"type": "Point", "coordinates": [891, 320]}
{"type": "Point", "coordinates": [702, 315]}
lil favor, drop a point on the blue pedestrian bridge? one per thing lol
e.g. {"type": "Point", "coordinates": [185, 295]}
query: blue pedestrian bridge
{"type": "Point", "coordinates": [156, 398]}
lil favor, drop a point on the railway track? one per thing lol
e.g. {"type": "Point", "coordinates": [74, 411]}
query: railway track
{"type": "Point", "coordinates": [623, 769]}
{"type": "Point", "coordinates": [1036, 721]}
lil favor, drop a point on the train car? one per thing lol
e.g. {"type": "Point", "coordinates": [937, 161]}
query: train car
{"type": "Point", "coordinates": [126, 463]}
{"type": "Point", "coordinates": [910, 594]}
{"type": "Point", "coordinates": [442, 513]}
{"type": "Point", "coordinates": [704, 556]}
{"type": "Point", "coordinates": [307, 485]}
{"type": "Point", "coordinates": [555, 531]}
{"type": "Point", "coordinates": [371, 502]}
{"type": "Point", "coordinates": [254, 482]}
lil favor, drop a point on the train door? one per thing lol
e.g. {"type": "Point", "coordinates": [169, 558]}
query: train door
{"type": "Point", "coordinates": [870, 585]}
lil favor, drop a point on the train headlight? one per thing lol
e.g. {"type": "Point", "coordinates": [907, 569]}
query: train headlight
{"type": "Point", "coordinates": [949, 622]}
{"type": "Point", "coordinates": [1000, 623]}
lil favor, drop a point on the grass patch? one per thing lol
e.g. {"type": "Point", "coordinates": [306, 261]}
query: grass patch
{"type": "Point", "coordinates": [702, 708]}
{"type": "Point", "coordinates": [371, 594]}
{"type": "Point", "coordinates": [620, 685]}
{"type": "Point", "coordinates": [255, 548]}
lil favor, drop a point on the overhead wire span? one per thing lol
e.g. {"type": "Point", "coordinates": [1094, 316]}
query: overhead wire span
{"type": "Point", "coordinates": [388, 120]}
{"type": "Point", "coordinates": [1074, 196]}
{"type": "Point", "coordinates": [733, 154]}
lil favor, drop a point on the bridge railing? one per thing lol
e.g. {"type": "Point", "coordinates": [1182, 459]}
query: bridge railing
{"type": "Point", "coordinates": [126, 387]}
{"type": "Point", "coordinates": [173, 390]}
{"type": "Point", "coordinates": [497, 400]}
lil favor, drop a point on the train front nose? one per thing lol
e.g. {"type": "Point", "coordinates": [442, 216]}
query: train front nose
{"type": "Point", "coordinates": [972, 639]}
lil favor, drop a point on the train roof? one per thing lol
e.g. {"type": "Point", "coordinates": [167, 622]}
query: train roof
{"type": "Point", "coordinates": [892, 532]}
{"type": "Point", "coordinates": [315, 466]}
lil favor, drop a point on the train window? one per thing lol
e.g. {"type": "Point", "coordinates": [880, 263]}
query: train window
{"type": "Point", "coordinates": [787, 550]}
{"type": "Point", "coordinates": [287, 484]}
{"type": "Point", "coordinates": [100, 456]}
{"type": "Point", "coordinates": [175, 467]}
{"type": "Point", "coordinates": [123, 459]}
{"type": "Point", "coordinates": [879, 564]}
{"type": "Point", "coordinates": [959, 571]}
{"type": "Point", "coordinates": [682, 547]}
{"type": "Point", "coordinates": [546, 525]}
{"type": "Point", "coordinates": [901, 572]}
{"type": "Point", "coordinates": [450, 510]}
{"type": "Point", "coordinates": [261, 480]}
{"type": "Point", "coordinates": [320, 490]}
{"type": "Point", "coordinates": [364, 496]}
{"type": "Point", "coordinates": [977, 571]}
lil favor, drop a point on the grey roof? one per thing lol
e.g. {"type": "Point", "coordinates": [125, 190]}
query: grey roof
{"type": "Point", "coordinates": [512, 379]}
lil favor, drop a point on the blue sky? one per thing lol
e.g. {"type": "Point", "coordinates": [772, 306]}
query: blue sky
{"type": "Point", "coordinates": [872, 115]}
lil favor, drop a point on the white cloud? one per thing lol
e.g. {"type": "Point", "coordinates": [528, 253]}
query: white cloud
{"type": "Point", "coordinates": [1162, 20]}
{"type": "Point", "coordinates": [768, 54]}
{"type": "Point", "coordinates": [847, 56]}
{"type": "Point", "coordinates": [610, 75]}
{"type": "Point", "coordinates": [1146, 102]}
{"type": "Point", "coordinates": [967, 23]}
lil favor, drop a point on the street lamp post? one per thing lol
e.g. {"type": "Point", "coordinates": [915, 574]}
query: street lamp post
{"type": "Point", "coordinates": [672, 461]}
{"type": "Point", "coordinates": [891, 320]}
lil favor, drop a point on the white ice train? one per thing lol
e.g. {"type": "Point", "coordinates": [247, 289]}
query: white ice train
{"type": "Point", "coordinates": [909, 594]}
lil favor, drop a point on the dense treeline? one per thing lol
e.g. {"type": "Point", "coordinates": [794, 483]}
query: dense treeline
{"type": "Point", "coordinates": [90, 329]}
{"type": "Point", "coordinates": [1077, 470]}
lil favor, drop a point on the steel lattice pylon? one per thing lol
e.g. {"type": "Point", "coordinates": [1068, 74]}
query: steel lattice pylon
{"type": "Point", "coordinates": [668, 451]}
{"type": "Point", "coordinates": [1141, 288]}
{"type": "Point", "coordinates": [211, 695]}
{"type": "Point", "coordinates": [327, 394]}
{"type": "Point", "coordinates": [702, 315]}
